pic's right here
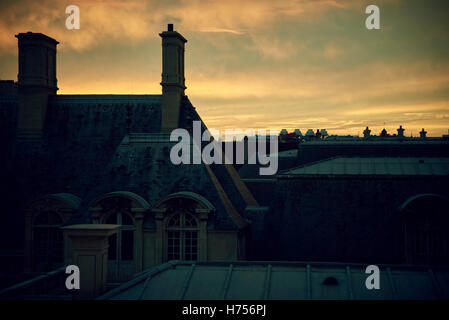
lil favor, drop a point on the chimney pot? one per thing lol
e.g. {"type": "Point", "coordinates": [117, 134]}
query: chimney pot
{"type": "Point", "coordinates": [170, 27]}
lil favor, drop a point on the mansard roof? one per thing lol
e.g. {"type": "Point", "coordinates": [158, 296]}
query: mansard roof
{"type": "Point", "coordinates": [96, 144]}
{"type": "Point", "coordinates": [378, 166]}
{"type": "Point", "coordinates": [89, 116]}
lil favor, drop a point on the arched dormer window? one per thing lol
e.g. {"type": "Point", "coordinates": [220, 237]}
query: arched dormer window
{"type": "Point", "coordinates": [182, 237]}
{"type": "Point", "coordinates": [426, 221]}
{"type": "Point", "coordinates": [181, 227]}
{"type": "Point", "coordinates": [127, 210]}
{"type": "Point", "coordinates": [45, 246]}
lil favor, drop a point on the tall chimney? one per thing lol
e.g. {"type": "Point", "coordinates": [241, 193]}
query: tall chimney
{"type": "Point", "coordinates": [36, 80]}
{"type": "Point", "coordinates": [173, 81]}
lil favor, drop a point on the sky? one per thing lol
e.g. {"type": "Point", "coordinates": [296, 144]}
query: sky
{"type": "Point", "coordinates": [262, 64]}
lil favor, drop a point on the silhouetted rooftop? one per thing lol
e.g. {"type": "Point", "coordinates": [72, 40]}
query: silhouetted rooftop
{"type": "Point", "coordinates": [374, 166]}
{"type": "Point", "coordinates": [377, 141]}
{"type": "Point", "coordinates": [110, 143]}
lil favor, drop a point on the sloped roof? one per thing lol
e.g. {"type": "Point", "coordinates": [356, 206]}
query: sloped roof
{"type": "Point", "coordinates": [280, 281]}
{"type": "Point", "coordinates": [80, 137]}
{"type": "Point", "coordinates": [286, 159]}
{"type": "Point", "coordinates": [92, 115]}
{"type": "Point", "coordinates": [374, 166]}
{"type": "Point", "coordinates": [93, 145]}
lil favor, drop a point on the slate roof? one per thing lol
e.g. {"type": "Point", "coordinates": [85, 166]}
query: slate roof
{"type": "Point", "coordinates": [240, 280]}
{"type": "Point", "coordinates": [96, 144]}
{"type": "Point", "coordinates": [80, 137]}
{"type": "Point", "coordinates": [312, 151]}
{"type": "Point", "coordinates": [286, 159]}
{"type": "Point", "coordinates": [89, 116]}
{"type": "Point", "coordinates": [392, 166]}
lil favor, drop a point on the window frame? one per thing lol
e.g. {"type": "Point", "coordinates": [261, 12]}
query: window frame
{"type": "Point", "coordinates": [119, 235]}
{"type": "Point", "coordinates": [49, 260]}
{"type": "Point", "coordinates": [182, 230]}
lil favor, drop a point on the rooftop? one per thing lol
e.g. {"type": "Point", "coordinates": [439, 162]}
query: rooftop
{"type": "Point", "coordinates": [379, 141]}
{"type": "Point", "coordinates": [280, 281]}
{"type": "Point", "coordinates": [374, 166]}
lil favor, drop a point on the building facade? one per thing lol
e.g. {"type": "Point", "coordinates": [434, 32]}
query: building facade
{"type": "Point", "coordinates": [105, 159]}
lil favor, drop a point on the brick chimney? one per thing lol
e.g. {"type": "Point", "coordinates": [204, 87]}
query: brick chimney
{"type": "Point", "coordinates": [173, 81]}
{"type": "Point", "coordinates": [36, 80]}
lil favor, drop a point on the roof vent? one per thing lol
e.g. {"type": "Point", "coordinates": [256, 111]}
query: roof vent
{"type": "Point", "coordinates": [330, 281]}
{"type": "Point", "coordinates": [170, 27]}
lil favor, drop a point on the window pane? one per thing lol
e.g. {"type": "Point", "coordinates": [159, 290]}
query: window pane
{"type": "Point", "coordinates": [56, 245]}
{"type": "Point", "coordinates": [127, 220]}
{"type": "Point", "coordinates": [40, 245]}
{"type": "Point", "coordinates": [190, 221]}
{"type": "Point", "coordinates": [41, 218]}
{"type": "Point", "coordinates": [190, 247]}
{"type": "Point", "coordinates": [112, 250]}
{"type": "Point", "coordinates": [173, 245]}
{"type": "Point", "coordinates": [182, 241]}
{"type": "Point", "coordinates": [127, 244]}
{"type": "Point", "coordinates": [112, 219]}
{"type": "Point", "coordinates": [175, 221]}
{"type": "Point", "coordinates": [54, 219]}
{"type": "Point", "coordinates": [48, 243]}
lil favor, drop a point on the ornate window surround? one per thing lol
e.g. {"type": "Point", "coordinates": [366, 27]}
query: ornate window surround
{"type": "Point", "coordinates": [164, 210]}
{"type": "Point", "coordinates": [182, 230]}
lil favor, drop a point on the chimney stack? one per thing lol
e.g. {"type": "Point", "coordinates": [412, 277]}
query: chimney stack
{"type": "Point", "coordinates": [90, 254]}
{"type": "Point", "coordinates": [173, 81]}
{"type": "Point", "coordinates": [36, 80]}
{"type": "Point", "coordinates": [423, 134]}
{"type": "Point", "coordinates": [401, 132]}
{"type": "Point", "coordinates": [366, 133]}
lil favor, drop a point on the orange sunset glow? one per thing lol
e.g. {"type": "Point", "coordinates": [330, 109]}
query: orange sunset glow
{"type": "Point", "coordinates": [258, 64]}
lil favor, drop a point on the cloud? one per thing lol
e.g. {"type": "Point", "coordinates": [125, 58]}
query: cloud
{"type": "Point", "coordinates": [134, 21]}
{"type": "Point", "coordinates": [254, 63]}
{"type": "Point", "coordinates": [313, 97]}
{"type": "Point", "coordinates": [101, 22]}
{"type": "Point", "coordinates": [221, 30]}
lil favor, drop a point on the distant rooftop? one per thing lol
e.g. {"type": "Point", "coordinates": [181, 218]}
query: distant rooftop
{"type": "Point", "coordinates": [380, 141]}
{"type": "Point", "coordinates": [374, 166]}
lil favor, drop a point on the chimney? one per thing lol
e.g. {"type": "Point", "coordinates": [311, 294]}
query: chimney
{"type": "Point", "coordinates": [90, 255]}
{"type": "Point", "coordinates": [366, 133]}
{"type": "Point", "coordinates": [401, 132]}
{"type": "Point", "coordinates": [423, 134]}
{"type": "Point", "coordinates": [36, 80]}
{"type": "Point", "coordinates": [173, 81]}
